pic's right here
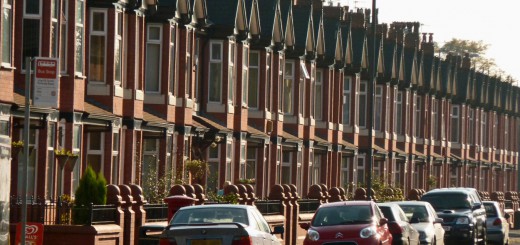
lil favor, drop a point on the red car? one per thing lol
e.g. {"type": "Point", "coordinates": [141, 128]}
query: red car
{"type": "Point", "coordinates": [349, 222]}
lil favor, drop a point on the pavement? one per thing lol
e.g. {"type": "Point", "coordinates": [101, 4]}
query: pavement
{"type": "Point", "coordinates": [514, 237]}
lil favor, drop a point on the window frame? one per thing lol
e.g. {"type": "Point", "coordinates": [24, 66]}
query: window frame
{"type": "Point", "coordinates": [378, 103]}
{"type": "Point", "coordinates": [172, 89]}
{"type": "Point", "coordinates": [254, 89]}
{"type": "Point", "coordinates": [7, 7]}
{"type": "Point", "coordinates": [455, 124]}
{"type": "Point", "coordinates": [31, 17]}
{"type": "Point", "coordinates": [159, 59]}
{"type": "Point", "coordinates": [79, 53]}
{"type": "Point", "coordinates": [417, 118]}
{"type": "Point", "coordinates": [288, 87]}
{"type": "Point", "coordinates": [103, 34]}
{"type": "Point", "coordinates": [363, 96]}
{"type": "Point", "coordinates": [347, 80]}
{"type": "Point", "coordinates": [216, 61]}
{"type": "Point", "coordinates": [318, 95]}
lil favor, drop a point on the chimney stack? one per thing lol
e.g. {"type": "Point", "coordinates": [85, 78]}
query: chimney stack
{"type": "Point", "coordinates": [466, 61]}
{"type": "Point", "coordinates": [358, 19]}
{"type": "Point", "coordinates": [427, 45]}
{"type": "Point", "coordinates": [332, 12]}
{"type": "Point", "coordinates": [302, 2]}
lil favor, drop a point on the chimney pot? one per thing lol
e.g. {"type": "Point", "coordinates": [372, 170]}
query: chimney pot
{"type": "Point", "coordinates": [431, 38]}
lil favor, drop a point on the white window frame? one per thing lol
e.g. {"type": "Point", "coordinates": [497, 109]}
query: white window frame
{"type": "Point", "coordinates": [77, 138]}
{"type": "Point", "coordinates": [172, 90]}
{"type": "Point", "coordinates": [362, 123]}
{"type": "Point", "coordinates": [254, 89]}
{"type": "Point", "coordinates": [79, 25]}
{"type": "Point", "coordinates": [281, 68]}
{"type": "Point", "coordinates": [217, 61]}
{"type": "Point", "coordinates": [288, 88]}
{"type": "Point", "coordinates": [345, 171]}
{"type": "Point", "coordinates": [245, 75]}
{"type": "Point", "coordinates": [118, 43]}
{"type": "Point", "coordinates": [7, 7]}
{"type": "Point", "coordinates": [484, 129]}
{"type": "Point", "coordinates": [243, 156]}
{"type": "Point", "coordinates": [304, 75]}
{"type": "Point", "coordinates": [231, 73]}
{"type": "Point", "coordinates": [455, 123]}
{"type": "Point", "coordinates": [506, 134]}
{"type": "Point", "coordinates": [251, 160]}
{"type": "Point", "coordinates": [34, 177]}
{"type": "Point", "coordinates": [495, 130]}
{"type": "Point", "coordinates": [229, 160]}
{"type": "Point", "coordinates": [399, 113]}
{"type": "Point", "coordinates": [154, 42]}
{"type": "Point", "coordinates": [115, 155]}
{"type": "Point", "coordinates": [347, 85]}
{"type": "Point", "coordinates": [154, 153]}
{"type": "Point", "coordinates": [55, 10]}
{"type": "Point", "coordinates": [51, 187]}
{"type": "Point", "coordinates": [64, 12]}
{"type": "Point", "coordinates": [97, 152]}
{"type": "Point", "coordinates": [417, 117]}
{"type": "Point", "coordinates": [318, 95]}
{"type": "Point", "coordinates": [268, 81]}
{"type": "Point", "coordinates": [316, 169]}
{"type": "Point", "coordinates": [32, 17]}
{"type": "Point", "coordinates": [471, 126]}
{"type": "Point", "coordinates": [104, 34]}
{"type": "Point", "coordinates": [435, 120]}
{"type": "Point", "coordinates": [378, 103]}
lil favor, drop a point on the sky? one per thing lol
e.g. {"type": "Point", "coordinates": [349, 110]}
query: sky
{"type": "Point", "coordinates": [495, 22]}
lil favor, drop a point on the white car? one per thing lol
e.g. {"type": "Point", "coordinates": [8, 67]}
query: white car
{"type": "Point", "coordinates": [496, 223]}
{"type": "Point", "coordinates": [424, 219]}
{"type": "Point", "coordinates": [219, 224]}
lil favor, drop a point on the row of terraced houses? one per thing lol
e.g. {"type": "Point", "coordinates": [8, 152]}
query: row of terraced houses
{"type": "Point", "coordinates": [270, 90]}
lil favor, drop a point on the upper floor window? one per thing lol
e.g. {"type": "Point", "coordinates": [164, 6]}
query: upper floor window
{"type": "Point", "coordinates": [280, 84]}
{"type": "Point", "coordinates": [215, 71]}
{"type": "Point", "coordinates": [435, 120]}
{"type": "Point", "coordinates": [78, 35]}
{"type": "Point", "coordinates": [153, 58]}
{"type": "Point", "coordinates": [399, 113]}
{"type": "Point", "coordinates": [254, 78]}
{"type": "Point", "coordinates": [417, 117]}
{"type": "Point", "coordinates": [231, 73]}
{"type": "Point", "coordinates": [362, 104]}
{"type": "Point", "coordinates": [347, 82]}
{"type": "Point", "coordinates": [484, 129]}
{"type": "Point", "coordinates": [455, 123]}
{"type": "Point", "coordinates": [31, 29]}
{"type": "Point", "coordinates": [268, 74]}
{"type": "Point", "coordinates": [172, 89]}
{"type": "Point", "coordinates": [378, 108]}
{"type": "Point", "coordinates": [288, 88]}
{"type": "Point", "coordinates": [7, 34]}
{"type": "Point", "coordinates": [471, 126]}
{"type": "Point", "coordinates": [318, 95]}
{"type": "Point", "coordinates": [304, 74]}
{"type": "Point", "coordinates": [245, 74]}
{"type": "Point", "coordinates": [495, 130]}
{"type": "Point", "coordinates": [118, 49]}
{"type": "Point", "coordinates": [98, 34]}
{"type": "Point", "coordinates": [55, 10]}
{"type": "Point", "coordinates": [63, 35]}
{"type": "Point", "coordinates": [361, 169]}
{"type": "Point", "coordinates": [189, 65]}
{"type": "Point", "coordinates": [506, 134]}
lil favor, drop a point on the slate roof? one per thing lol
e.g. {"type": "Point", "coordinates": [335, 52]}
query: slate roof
{"type": "Point", "coordinates": [389, 52]}
{"type": "Point", "coordinates": [222, 15]}
{"type": "Point", "coordinates": [358, 43]}
{"type": "Point", "coordinates": [165, 11]}
{"type": "Point", "coordinates": [267, 12]}
{"type": "Point", "coordinates": [301, 18]}
{"type": "Point", "coordinates": [330, 26]}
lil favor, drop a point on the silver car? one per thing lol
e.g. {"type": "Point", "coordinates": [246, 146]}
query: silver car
{"type": "Point", "coordinates": [424, 219]}
{"type": "Point", "coordinates": [496, 223]}
{"type": "Point", "coordinates": [219, 224]}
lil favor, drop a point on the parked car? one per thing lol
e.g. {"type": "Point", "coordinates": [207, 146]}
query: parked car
{"type": "Point", "coordinates": [219, 224]}
{"type": "Point", "coordinates": [403, 233]}
{"type": "Point", "coordinates": [348, 222]}
{"type": "Point", "coordinates": [463, 214]}
{"type": "Point", "coordinates": [423, 218]}
{"type": "Point", "coordinates": [496, 223]}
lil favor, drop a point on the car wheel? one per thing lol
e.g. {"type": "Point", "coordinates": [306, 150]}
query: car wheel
{"type": "Point", "coordinates": [484, 236]}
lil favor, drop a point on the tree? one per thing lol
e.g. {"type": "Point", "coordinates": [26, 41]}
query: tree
{"type": "Point", "coordinates": [91, 190]}
{"type": "Point", "coordinates": [477, 51]}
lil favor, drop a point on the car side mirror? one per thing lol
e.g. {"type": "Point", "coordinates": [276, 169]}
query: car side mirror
{"type": "Point", "coordinates": [414, 220]}
{"type": "Point", "coordinates": [438, 221]}
{"type": "Point", "coordinates": [507, 216]}
{"type": "Point", "coordinates": [477, 206]}
{"type": "Point", "coordinates": [278, 230]}
{"type": "Point", "coordinates": [383, 221]}
{"type": "Point", "coordinates": [305, 226]}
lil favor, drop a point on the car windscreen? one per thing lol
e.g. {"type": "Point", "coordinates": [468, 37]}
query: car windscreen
{"type": "Point", "coordinates": [342, 215]}
{"type": "Point", "coordinates": [387, 212]}
{"type": "Point", "coordinates": [444, 201]}
{"type": "Point", "coordinates": [210, 215]}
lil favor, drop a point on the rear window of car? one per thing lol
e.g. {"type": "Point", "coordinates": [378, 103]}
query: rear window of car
{"type": "Point", "coordinates": [415, 211]}
{"type": "Point", "coordinates": [490, 210]}
{"type": "Point", "coordinates": [342, 215]}
{"type": "Point", "coordinates": [387, 212]}
{"type": "Point", "coordinates": [441, 201]}
{"type": "Point", "coordinates": [210, 215]}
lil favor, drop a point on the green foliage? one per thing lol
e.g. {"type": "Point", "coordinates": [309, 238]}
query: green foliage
{"type": "Point", "coordinates": [229, 198]}
{"type": "Point", "coordinates": [382, 191]}
{"type": "Point", "coordinates": [197, 168]}
{"type": "Point", "coordinates": [91, 190]}
{"type": "Point", "coordinates": [155, 188]}
{"type": "Point", "coordinates": [17, 144]}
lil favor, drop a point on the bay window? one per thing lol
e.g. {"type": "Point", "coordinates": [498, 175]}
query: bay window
{"type": "Point", "coordinates": [399, 114]}
{"type": "Point", "coordinates": [55, 10]}
{"type": "Point", "coordinates": [435, 120]}
{"type": "Point", "coordinates": [484, 129]}
{"type": "Point", "coordinates": [417, 117]}
{"type": "Point", "coordinates": [471, 126]}
{"type": "Point", "coordinates": [118, 49]}
{"type": "Point", "coordinates": [173, 74]}
{"type": "Point", "coordinates": [454, 123]}
{"type": "Point", "coordinates": [63, 35]}
{"type": "Point", "coordinates": [231, 73]}
{"type": "Point", "coordinates": [378, 107]}
{"type": "Point", "coordinates": [245, 75]}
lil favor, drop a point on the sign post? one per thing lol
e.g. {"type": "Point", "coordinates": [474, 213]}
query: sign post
{"type": "Point", "coordinates": [46, 82]}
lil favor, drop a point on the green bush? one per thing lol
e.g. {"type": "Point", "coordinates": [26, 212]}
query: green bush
{"type": "Point", "coordinates": [91, 190]}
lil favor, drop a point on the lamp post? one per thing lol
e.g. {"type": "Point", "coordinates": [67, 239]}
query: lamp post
{"type": "Point", "coordinates": [371, 87]}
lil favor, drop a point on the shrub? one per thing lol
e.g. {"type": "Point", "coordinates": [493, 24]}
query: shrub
{"type": "Point", "coordinates": [91, 190]}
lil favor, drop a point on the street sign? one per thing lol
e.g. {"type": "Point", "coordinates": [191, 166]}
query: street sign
{"type": "Point", "coordinates": [46, 82]}
{"type": "Point", "coordinates": [33, 234]}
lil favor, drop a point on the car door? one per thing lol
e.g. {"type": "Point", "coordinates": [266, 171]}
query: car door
{"type": "Point", "coordinates": [382, 230]}
{"type": "Point", "coordinates": [267, 237]}
{"type": "Point", "coordinates": [413, 234]}
{"type": "Point", "coordinates": [439, 231]}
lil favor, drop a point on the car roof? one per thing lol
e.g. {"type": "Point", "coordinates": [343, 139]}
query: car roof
{"type": "Point", "coordinates": [411, 203]}
{"type": "Point", "coordinates": [388, 204]}
{"type": "Point", "coordinates": [347, 203]}
{"type": "Point", "coordinates": [452, 189]}
{"type": "Point", "coordinates": [217, 206]}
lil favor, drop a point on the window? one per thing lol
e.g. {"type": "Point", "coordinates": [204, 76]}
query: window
{"type": "Point", "coordinates": [189, 65]}
{"type": "Point", "coordinates": [418, 121]}
{"type": "Point", "coordinates": [215, 72]}
{"type": "Point", "coordinates": [378, 108]}
{"type": "Point", "coordinates": [153, 58]}
{"type": "Point", "coordinates": [118, 52]}
{"type": "Point", "coordinates": [95, 150]}
{"type": "Point", "coordinates": [396, 174]}
{"type": "Point", "coordinates": [506, 134]}
{"type": "Point", "coordinates": [55, 10]}
{"type": "Point", "coordinates": [299, 157]}
{"type": "Point", "coordinates": [76, 145]}
{"type": "Point", "coordinates": [347, 82]}
{"type": "Point", "coordinates": [170, 159]}
{"type": "Point", "coordinates": [316, 169]}
{"type": "Point", "coordinates": [7, 34]}
{"type": "Point", "coordinates": [362, 104]}
{"type": "Point", "coordinates": [196, 69]}
{"type": "Point", "coordinates": [245, 75]}
{"type": "Point", "coordinates": [454, 172]}
{"type": "Point", "coordinates": [318, 96]}
{"type": "Point", "coordinates": [80, 9]}
{"type": "Point", "coordinates": [399, 113]}
{"type": "Point", "coordinates": [31, 30]}
{"type": "Point", "coordinates": [495, 130]}
{"type": "Point", "coordinates": [32, 167]}
{"type": "Point", "coordinates": [268, 95]}
{"type": "Point", "coordinates": [278, 165]}
{"type": "Point", "coordinates": [213, 166]}
{"type": "Point", "coordinates": [435, 120]}
{"type": "Point", "coordinates": [254, 72]}
{"type": "Point", "coordinates": [286, 167]}
{"type": "Point", "coordinates": [231, 73]}
{"type": "Point", "coordinates": [345, 172]}
{"type": "Point", "coordinates": [98, 33]}
{"type": "Point", "coordinates": [149, 165]}
{"type": "Point", "coordinates": [251, 163]}
{"type": "Point", "coordinates": [484, 130]}
{"type": "Point", "coordinates": [243, 156]}
{"type": "Point", "coordinates": [301, 89]}
{"type": "Point", "coordinates": [229, 161]}
{"type": "Point", "coordinates": [63, 36]}
{"type": "Point", "coordinates": [50, 168]}
{"type": "Point", "coordinates": [471, 126]}
{"type": "Point", "coordinates": [454, 123]}
{"type": "Point", "coordinates": [288, 88]}
{"type": "Point", "coordinates": [173, 74]}
{"type": "Point", "coordinates": [115, 158]}
{"type": "Point", "coordinates": [361, 169]}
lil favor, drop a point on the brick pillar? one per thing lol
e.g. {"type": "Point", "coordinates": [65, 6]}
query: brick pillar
{"type": "Point", "coordinates": [199, 193]}
{"type": "Point", "coordinates": [277, 193]}
{"type": "Point", "coordinates": [335, 195]}
{"type": "Point", "coordinates": [114, 197]}
{"type": "Point", "coordinates": [289, 226]}
{"type": "Point", "coordinates": [129, 229]}
{"type": "Point", "coordinates": [316, 193]}
{"type": "Point", "coordinates": [251, 194]}
{"type": "Point", "coordinates": [140, 214]}
{"type": "Point", "coordinates": [295, 216]}
{"type": "Point", "coordinates": [242, 193]}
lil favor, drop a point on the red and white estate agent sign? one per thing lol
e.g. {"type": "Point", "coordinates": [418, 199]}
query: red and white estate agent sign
{"type": "Point", "coordinates": [46, 82]}
{"type": "Point", "coordinates": [33, 234]}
